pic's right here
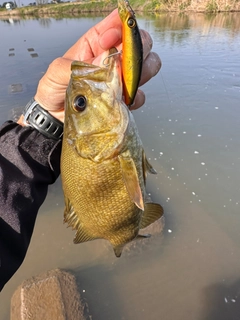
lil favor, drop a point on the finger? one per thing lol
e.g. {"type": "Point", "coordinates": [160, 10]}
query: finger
{"type": "Point", "coordinates": [105, 34]}
{"type": "Point", "coordinates": [139, 100]}
{"type": "Point", "coordinates": [151, 65]}
{"type": "Point", "coordinates": [110, 38]}
{"type": "Point", "coordinates": [52, 87]}
{"type": "Point", "coordinates": [147, 43]}
{"type": "Point", "coordinates": [63, 65]}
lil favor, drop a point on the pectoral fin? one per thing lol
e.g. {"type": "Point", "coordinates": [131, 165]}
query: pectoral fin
{"type": "Point", "coordinates": [130, 177]}
{"type": "Point", "coordinates": [152, 212]}
{"type": "Point", "coordinates": [73, 221]}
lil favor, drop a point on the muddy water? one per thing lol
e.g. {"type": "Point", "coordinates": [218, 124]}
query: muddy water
{"type": "Point", "coordinates": [190, 127]}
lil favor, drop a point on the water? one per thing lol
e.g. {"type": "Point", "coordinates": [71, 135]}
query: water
{"type": "Point", "coordinates": [190, 129]}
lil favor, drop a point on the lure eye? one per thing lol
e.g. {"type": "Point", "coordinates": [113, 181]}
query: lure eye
{"type": "Point", "coordinates": [80, 103]}
{"type": "Point", "coordinates": [131, 22]}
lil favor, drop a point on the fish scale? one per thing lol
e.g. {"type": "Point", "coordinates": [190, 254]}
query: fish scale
{"type": "Point", "coordinates": [109, 189]}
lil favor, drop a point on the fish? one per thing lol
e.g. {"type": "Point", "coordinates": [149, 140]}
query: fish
{"type": "Point", "coordinates": [103, 163]}
{"type": "Point", "coordinates": [132, 51]}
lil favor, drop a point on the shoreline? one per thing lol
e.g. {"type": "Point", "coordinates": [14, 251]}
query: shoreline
{"type": "Point", "coordinates": [79, 8]}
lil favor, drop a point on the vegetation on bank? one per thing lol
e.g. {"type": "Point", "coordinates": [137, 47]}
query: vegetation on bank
{"type": "Point", "coordinates": [76, 8]}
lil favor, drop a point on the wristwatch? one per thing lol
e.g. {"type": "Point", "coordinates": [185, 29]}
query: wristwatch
{"type": "Point", "coordinates": [37, 117]}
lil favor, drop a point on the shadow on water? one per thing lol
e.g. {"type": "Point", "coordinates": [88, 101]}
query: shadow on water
{"type": "Point", "coordinates": [98, 293]}
{"type": "Point", "coordinates": [221, 301]}
{"type": "Point", "coordinates": [110, 290]}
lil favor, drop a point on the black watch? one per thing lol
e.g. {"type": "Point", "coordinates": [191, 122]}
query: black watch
{"type": "Point", "coordinates": [40, 119]}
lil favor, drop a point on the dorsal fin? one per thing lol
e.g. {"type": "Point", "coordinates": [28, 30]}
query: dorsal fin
{"type": "Point", "coordinates": [147, 167]}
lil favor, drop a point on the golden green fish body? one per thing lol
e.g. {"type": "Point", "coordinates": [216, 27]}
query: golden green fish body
{"type": "Point", "coordinates": [103, 165]}
{"type": "Point", "coordinates": [132, 51]}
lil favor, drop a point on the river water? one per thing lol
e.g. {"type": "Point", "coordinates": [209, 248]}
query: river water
{"type": "Point", "coordinates": [190, 127]}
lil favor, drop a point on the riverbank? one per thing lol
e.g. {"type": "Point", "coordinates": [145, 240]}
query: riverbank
{"type": "Point", "coordinates": [72, 9]}
{"type": "Point", "coordinates": [76, 8]}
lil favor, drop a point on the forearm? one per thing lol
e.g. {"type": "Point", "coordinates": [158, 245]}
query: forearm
{"type": "Point", "coordinates": [29, 162]}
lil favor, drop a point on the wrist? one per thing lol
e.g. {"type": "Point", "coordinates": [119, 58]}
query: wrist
{"type": "Point", "coordinates": [21, 121]}
{"type": "Point", "coordinates": [35, 116]}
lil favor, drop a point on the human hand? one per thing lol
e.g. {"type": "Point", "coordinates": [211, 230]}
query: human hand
{"type": "Point", "coordinates": [90, 48]}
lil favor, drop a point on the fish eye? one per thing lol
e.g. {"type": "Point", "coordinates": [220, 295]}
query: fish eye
{"type": "Point", "coordinates": [131, 22]}
{"type": "Point", "coordinates": [80, 103]}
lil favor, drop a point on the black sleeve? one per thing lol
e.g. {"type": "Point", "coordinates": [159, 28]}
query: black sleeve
{"type": "Point", "coordinates": [29, 162]}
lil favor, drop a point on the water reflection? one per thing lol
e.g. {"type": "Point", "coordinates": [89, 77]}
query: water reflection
{"type": "Point", "coordinates": [163, 22]}
{"type": "Point", "coordinates": [173, 22]}
{"type": "Point", "coordinates": [45, 22]}
{"type": "Point", "coordinates": [57, 17]}
{"type": "Point", "coordinates": [11, 20]}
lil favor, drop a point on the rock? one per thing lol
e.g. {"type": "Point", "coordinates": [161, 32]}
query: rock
{"type": "Point", "coordinates": [14, 88]}
{"type": "Point", "coordinates": [49, 296]}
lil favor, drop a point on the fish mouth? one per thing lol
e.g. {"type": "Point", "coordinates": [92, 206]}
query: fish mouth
{"type": "Point", "coordinates": [90, 73]}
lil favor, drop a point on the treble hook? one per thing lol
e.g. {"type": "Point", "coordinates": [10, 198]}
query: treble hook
{"type": "Point", "coordinates": [109, 56]}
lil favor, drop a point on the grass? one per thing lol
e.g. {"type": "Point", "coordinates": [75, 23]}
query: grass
{"type": "Point", "coordinates": [76, 8]}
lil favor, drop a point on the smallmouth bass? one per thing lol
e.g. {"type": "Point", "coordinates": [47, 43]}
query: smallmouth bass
{"type": "Point", "coordinates": [103, 164]}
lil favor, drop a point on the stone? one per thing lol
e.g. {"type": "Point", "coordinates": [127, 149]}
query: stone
{"type": "Point", "coordinates": [34, 55]}
{"type": "Point", "coordinates": [14, 88]}
{"type": "Point", "coordinates": [49, 296]}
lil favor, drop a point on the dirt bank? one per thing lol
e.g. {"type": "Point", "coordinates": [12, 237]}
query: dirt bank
{"type": "Point", "coordinates": [78, 8]}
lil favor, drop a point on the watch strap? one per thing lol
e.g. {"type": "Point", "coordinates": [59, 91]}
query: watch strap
{"type": "Point", "coordinates": [40, 119]}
